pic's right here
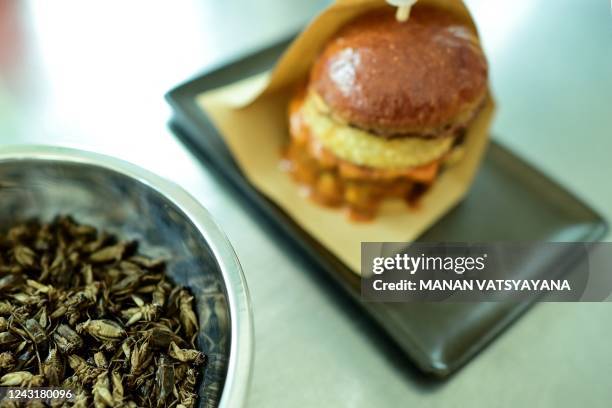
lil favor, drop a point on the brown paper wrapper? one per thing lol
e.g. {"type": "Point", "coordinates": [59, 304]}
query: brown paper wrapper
{"type": "Point", "coordinates": [251, 115]}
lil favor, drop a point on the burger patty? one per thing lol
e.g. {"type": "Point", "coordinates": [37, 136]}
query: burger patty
{"type": "Point", "coordinates": [420, 162]}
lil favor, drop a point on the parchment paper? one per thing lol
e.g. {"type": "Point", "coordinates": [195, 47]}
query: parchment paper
{"type": "Point", "coordinates": [251, 116]}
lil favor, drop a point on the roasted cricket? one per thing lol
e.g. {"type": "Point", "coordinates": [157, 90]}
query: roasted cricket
{"type": "Point", "coordinates": [82, 310]}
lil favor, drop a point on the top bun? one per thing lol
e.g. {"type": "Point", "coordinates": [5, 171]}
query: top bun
{"type": "Point", "coordinates": [417, 78]}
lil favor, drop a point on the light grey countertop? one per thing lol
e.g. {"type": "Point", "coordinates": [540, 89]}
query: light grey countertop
{"type": "Point", "coordinates": [92, 75]}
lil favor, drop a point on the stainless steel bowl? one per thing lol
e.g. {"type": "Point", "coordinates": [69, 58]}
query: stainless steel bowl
{"type": "Point", "coordinates": [41, 182]}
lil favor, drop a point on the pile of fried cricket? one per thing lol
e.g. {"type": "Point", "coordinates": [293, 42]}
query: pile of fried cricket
{"type": "Point", "coordinates": [82, 310]}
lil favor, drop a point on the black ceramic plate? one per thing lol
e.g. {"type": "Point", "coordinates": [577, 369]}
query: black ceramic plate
{"type": "Point", "coordinates": [438, 337]}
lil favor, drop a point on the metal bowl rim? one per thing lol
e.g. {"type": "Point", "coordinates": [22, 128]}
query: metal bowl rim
{"type": "Point", "coordinates": [240, 361]}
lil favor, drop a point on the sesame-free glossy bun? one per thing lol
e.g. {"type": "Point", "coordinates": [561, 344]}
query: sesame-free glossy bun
{"type": "Point", "coordinates": [417, 78]}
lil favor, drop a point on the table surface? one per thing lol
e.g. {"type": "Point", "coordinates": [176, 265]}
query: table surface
{"type": "Point", "coordinates": [92, 75]}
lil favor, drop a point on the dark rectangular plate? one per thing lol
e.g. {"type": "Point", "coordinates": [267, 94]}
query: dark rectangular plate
{"type": "Point", "coordinates": [509, 201]}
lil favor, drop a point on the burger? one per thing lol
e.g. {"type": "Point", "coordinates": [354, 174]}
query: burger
{"type": "Point", "coordinates": [385, 109]}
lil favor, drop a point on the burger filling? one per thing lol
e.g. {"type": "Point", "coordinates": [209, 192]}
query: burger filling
{"type": "Point", "coordinates": [365, 149]}
{"type": "Point", "coordinates": [341, 165]}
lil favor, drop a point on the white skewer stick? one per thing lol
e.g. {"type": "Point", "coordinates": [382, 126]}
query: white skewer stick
{"type": "Point", "coordinates": [402, 13]}
{"type": "Point", "coordinates": [403, 8]}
